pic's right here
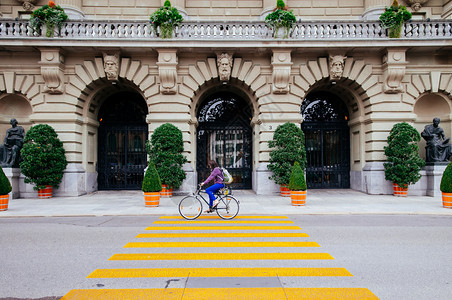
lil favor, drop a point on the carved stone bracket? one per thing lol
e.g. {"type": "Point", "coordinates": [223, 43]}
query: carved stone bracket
{"type": "Point", "coordinates": [394, 65]}
{"type": "Point", "coordinates": [28, 5]}
{"type": "Point", "coordinates": [167, 63]}
{"type": "Point", "coordinates": [416, 4]}
{"type": "Point", "coordinates": [52, 70]}
{"type": "Point", "coordinates": [281, 62]}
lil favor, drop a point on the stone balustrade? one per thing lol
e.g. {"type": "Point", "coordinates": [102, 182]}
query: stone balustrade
{"type": "Point", "coordinates": [233, 30]}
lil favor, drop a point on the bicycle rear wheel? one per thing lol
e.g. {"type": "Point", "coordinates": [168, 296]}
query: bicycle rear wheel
{"type": "Point", "coordinates": [228, 207]}
{"type": "Point", "coordinates": [190, 207]}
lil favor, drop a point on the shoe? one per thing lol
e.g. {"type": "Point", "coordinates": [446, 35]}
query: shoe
{"type": "Point", "coordinates": [215, 203]}
{"type": "Point", "coordinates": [210, 210]}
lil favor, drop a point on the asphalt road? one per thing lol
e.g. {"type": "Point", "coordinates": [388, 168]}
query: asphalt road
{"type": "Point", "coordinates": [393, 256]}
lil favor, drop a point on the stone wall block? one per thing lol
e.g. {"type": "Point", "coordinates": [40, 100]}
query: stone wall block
{"type": "Point", "coordinates": [445, 79]}
{"type": "Point", "coordinates": [356, 69]}
{"type": "Point", "coordinates": [147, 83]}
{"type": "Point", "coordinates": [365, 74]}
{"type": "Point", "coordinates": [307, 75]}
{"type": "Point", "coordinates": [125, 63]}
{"type": "Point", "coordinates": [9, 81]}
{"type": "Point", "coordinates": [315, 69]}
{"type": "Point", "coordinates": [244, 70]}
{"type": "Point", "coordinates": [152, 91]}
{"type": "Point", "coordinates": [347, 66]}
{"type": "Point", "coordinates": [82, 74]}
{"type": "Point", "coordinates": [91, 68]}
{"type": "Point", "coordinates": [133, 69]}
{"type": "Point", "coordinates": [323, 63]}
{"type": "Point", "coordinates": [213, 66]}
{"type": "Point", "coordinates": [259, 83]}
{"type": "Point", "coordinates": [426, 81]}
{"type": "Point", "coordinates": [2, 83]}
{"type": "Point", "coordinates": [141, 74]}
{"type": "Point", "coordinates": [98, 61]}
{"type": "Point", "coordinates": [264, 90]}
{"type": "Point", "coordinates": [255, 72]}
{"type": "Point", "coordinates": [203, 68]}
{"type": "Point", "coordinates": [195, 74]}
{"type": "Point", "coordinates": [236, 67]}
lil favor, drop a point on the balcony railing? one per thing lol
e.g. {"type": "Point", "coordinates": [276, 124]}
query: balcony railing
{"type": "Point", "coordinates": [231, 30]}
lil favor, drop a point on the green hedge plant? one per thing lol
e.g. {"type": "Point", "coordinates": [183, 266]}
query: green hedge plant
{"type": "Point", "coordinates": [151, 181]}
{"type": "Point", "coordinates": [165, 151]}
{"type": "Point", "coordinates": [403, 164]}
{"type": "Point", "coordinates": [280, 17]}
{"type": "Point", "coordinates": [446, 180]}
{"type": "Point", "coordinates": [297, 181]}
{"type": "Point", "coordinates": [5, 185]}
{"type": "Point", "coordinates": [287, 148]}
{"type": "Point", "coordinates": [43, 157]}
{"type": "Point", "coordinates": [393, 18]}
{"type": "Point", "coordinates": [165, 18]}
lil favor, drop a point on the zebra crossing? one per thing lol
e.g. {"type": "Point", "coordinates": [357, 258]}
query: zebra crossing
{"type": "Point", "coordinates": [250, 257]}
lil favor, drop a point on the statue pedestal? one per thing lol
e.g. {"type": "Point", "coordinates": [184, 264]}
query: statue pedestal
{"type": "Point", "coordinates": [13, 175]}
{"type": "Point", "coordinates": [434, 173]}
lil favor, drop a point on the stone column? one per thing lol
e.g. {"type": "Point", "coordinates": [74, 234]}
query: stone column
{"type": "Point", "coordinates": [13, 175]}
{"type": "Point", "coordinates": [374, 8]}
{"type": "Point", "coordinates": [73, 8]}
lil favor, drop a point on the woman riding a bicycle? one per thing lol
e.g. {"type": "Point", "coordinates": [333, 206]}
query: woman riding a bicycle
{"type": "Point", "coordinates": [217, 176]}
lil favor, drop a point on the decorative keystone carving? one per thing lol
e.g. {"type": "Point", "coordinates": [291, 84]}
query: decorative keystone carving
{"type": "Point", "coordinates": [281, 62]}
{"type": "Point", "coordinates": [52, 70]}
{"type": "Point", "coordinates": [394, 65]}
{"type": "Point", "coordinates": [111, 66]}
{"type": "Point", "coordinates": [167, 63]}
{"type": "Point", "coordinates": [416, 4]}
{"type": "Point", "coordinates": [28, 5]}
{"type": "Point", "coordinates": [337, 63]}
{"type": "Point", "coordinates": [224, 63]}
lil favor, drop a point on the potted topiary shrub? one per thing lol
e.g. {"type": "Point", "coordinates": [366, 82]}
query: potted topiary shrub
{"type": "Point", "coordinates": [165, 19]}
{"type": "Point", "coordinates": [403, 164]}
{"type": "Point", "coordinates": [297, 185]}
{"type": "Point", "coordinates": [280, 18]}
{"type": "Point", "coordinates": [51, 15]}
{"type": "Point", "coordinates": [43, 159]}
{"type": "Point", "coordinates": [151, 186]}
{"type": "Point", "coordinates": [5, 189]}
{"type": "Point", "coordinates": [288, 147]}
{"type": "Point", "coordinates": [165, 151]}
{"type": "Point", "coordinates": [393, 18]}
{"type": "Point", "coordinates": [446, 186]}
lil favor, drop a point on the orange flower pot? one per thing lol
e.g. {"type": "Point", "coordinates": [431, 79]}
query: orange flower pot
{"type": "Point", "coordinates": [166, 192]}
{"type": "Point", "coordinates": [298, 198]}
{"type": "Point", "coordinates": [399, 191]}
{"type": "Point", "coordinates": [46, 192]}
{"type": "Point", "coordinates": [4, 202]}
{"type": "Point", "coordinates": [285, 192]}
{"type": "Point", "coordinates": [152, 199]}
{"type": "Point", "coordinates": [447, 200]}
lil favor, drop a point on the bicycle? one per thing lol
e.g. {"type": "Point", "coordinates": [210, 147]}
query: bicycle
{"type": "Point", "coordinates": [190, 207]}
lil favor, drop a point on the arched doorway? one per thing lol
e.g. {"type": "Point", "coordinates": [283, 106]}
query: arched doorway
{"type": "Point", "coordinates": [224, 135]}
{"type": "Point", "coordinates": [327, 136]}
{"type": "Point", "coordinates": [122, 135]}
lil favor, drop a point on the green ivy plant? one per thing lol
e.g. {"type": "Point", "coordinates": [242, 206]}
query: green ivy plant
{"type": "Point", "coordinates": [151, 181]}
{"type": "Point", "coordinates": [288, 147]}
{"type": "Point", "coordinates": [281, 17]}
{"type": "Point", "coordinates": [446, 180]}
{"type": "Point", "coordinates": [297, 181]}
{"type": "Point", "coordinates": [43, 157]}
{"type": "Point", "coordinates": [166, 18]}
{"type": "Point", "coordinates": [393, 18]}
{"type": "Point", "coordinates": [51, 15]}
{"type": "Point", "coordinates": [403, 164]}
{"type": "Point", "coordinates": [165, 151]}
{"type": "Point", "coordinates": [5, 185]}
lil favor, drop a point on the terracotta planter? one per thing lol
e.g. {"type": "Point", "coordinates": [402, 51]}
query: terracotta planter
{"type": "Point", "coordinates": [447, 200]}
{"type": "Point", "coordinates": [152, 199]}
{"type": "Point", "coordinates": [285, 192]}
{"type": "Point", "coordinates": [4, 202]}
{"type": "Point", "coordinates": [46, 192]}
{"type": "Point", "coordinates": [399, 191]}
{"type": "Point", "coordinates": [298, 198]}
{"type": "Point", "coordinates": [166, 192]}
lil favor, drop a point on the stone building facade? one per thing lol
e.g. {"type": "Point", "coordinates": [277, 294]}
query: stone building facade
{"type": "Point", "coordinates": [106, 82]}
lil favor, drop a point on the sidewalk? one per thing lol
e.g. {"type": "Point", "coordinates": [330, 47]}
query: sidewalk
{"type": "Point", "coordinates": [112, 203]}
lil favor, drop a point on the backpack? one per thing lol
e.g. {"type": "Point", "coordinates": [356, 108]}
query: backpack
{"type": "Point", "coordinates": [227, 177]}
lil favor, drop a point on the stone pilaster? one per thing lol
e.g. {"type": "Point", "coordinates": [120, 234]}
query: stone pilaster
{"type": "Point", "coordinates": [167, 63]}
{"type": "Point", "coordinates": [281, 62]}
{"type": "Point", "coordinates": [394, 65]}
{"type": "Point", "coordinates": [52, 70]}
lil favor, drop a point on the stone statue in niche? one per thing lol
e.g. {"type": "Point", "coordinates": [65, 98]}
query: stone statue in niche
{"type": "Point", "coordinates": [224, 63]}
{"type": "Point", "coordinates": [111, 66]}
{"type": "Point", "coordinates": [438, 148]}
{"type": "Point", "coordinates": [337, 66]}
{"type": "Point", "coordinates": [10, 150]}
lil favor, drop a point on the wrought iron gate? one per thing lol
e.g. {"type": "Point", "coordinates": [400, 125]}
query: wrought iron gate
{"type": "Point", "coordinates": [230, 147]}
{"type": "Point", "coordinates": [122, 157]}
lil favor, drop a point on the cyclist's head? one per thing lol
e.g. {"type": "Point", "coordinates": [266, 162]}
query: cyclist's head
{"type": "Point", "coordinates": [212, 164]}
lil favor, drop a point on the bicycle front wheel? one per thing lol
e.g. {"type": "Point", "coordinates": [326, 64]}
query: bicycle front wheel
{"type": "Point", "coordinates": [228, 207]}
{"type": "Point", "coordinates": [190, 207]}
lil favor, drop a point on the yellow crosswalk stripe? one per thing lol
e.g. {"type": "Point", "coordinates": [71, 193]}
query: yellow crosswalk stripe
{"type": "Point", "coordinates": [222, 235]}
{"type": "Point", "coordinates": [218, 244]}
{"type": "Point", "coordinates": [278, 293]}
{"type": "Point", "coordinates": [224, 228]}
{"type": "Point", "coordinates": [237, 217]}
{"type": "Point", "coordinates": [217, 272]}
{"type": "Point", "coordinates": [223, 222]}
{"type": "Point", "coordinates": [219, 256]}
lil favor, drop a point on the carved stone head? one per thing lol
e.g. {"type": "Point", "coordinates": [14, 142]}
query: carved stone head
{"type": "Point", "coordinates": [337, 66]}
{"type": "Point", "coordinates": [224, 62]}
{"type": "Point", "coordinates": [111, 66]}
